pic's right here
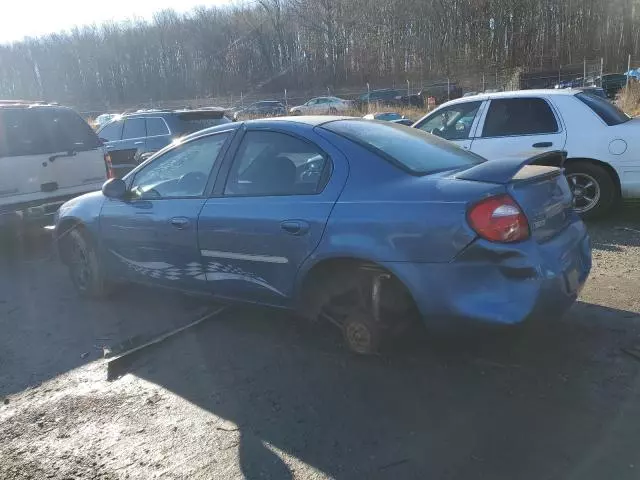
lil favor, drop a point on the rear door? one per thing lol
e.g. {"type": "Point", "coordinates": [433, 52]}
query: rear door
{"type": "Point", "coordinates": [270, 214]}
{"type": "Point", "coordinates": [518, 128]}
{"type": "Point", "coordinates": [158, 134]}
{"type": "Point", "coordinates": [76, 162]}
{"type": "Point", "coordinates": [456, 123]}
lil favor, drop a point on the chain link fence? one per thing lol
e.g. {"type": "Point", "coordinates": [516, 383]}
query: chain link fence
{"type": "Point", "coordinates": [412, 94]}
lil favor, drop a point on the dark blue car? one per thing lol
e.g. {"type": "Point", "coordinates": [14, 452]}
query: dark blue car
{"type": "Point", "coordinates": [366, 224]}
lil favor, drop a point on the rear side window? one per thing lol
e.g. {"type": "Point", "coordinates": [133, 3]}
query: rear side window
{"type": "Point", "coordinates": [43, 131]}
{"type": "Point", "coordinates": [410, 148]}
{"type": "Point", "coordinates": [20, 134]}
{"type": "Point", "coordinates": [156, 127]}
{"type": "Point", "coordinates": [273, 163]}
{"type": "Point", "coordinates": [134, 128]}
{"type": "Point", "coordinates": [607, 111]}
{"type": "Point", "coordinates": [519, 116]}
{"type": "Point", "coordinates": [67, 131]}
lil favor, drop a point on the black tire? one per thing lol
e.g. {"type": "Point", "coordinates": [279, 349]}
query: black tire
{"type": "Point", "coordinates": [598, 185]}
{"type": "Point", "coordinates": [84, 267]}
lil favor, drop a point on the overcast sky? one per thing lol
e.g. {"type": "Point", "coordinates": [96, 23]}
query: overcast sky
{"type": "Point", "coordinates": [21, 18]}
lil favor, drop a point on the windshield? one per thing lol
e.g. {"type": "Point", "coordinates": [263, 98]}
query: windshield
{"type": "Point", "coordinates": [413, 150]}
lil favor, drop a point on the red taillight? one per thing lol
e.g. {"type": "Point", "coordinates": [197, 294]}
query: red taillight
{"type": "Point", "coordinates": [108, 164]}
{"type": "Point", "coordinates": [499, 219]}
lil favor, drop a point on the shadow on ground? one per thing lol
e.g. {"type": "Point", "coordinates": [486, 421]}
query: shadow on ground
{"type": "Point", "coordinates": [554, 401]}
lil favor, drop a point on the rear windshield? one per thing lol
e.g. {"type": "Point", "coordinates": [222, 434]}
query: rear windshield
{"type": "Point", "coordinates": [415, 151]}
{"type": "Point", "coordinates": [194, 121]}
{"type": "Point", "coordinates": [602, 107]}
{"type": "Point", "coordinates": [37, 131]}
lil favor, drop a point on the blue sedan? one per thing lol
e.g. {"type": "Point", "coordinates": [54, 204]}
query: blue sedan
{"type": "Point", "coordinates": [365, 224]}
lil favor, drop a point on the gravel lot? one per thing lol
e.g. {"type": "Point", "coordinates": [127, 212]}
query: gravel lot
{"type": "Point", "coordinates": [251, 394]}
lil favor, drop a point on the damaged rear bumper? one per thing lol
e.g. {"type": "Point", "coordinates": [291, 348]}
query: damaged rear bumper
{"type": "Point", "coordinates": [501, 284]}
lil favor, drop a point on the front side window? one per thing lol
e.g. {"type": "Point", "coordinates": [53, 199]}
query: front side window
{"type": "Point", "coordinates": [111, 132]}
{"type": "Point", "coordinates": [134, 128]}
{"type": "Point", "coordinates": [519, 116]}
{"type": "Point", "coordinates": [181, 172]}
{"type": "Point", "coordinates": [411, 149]}
{"type": "Point", "coordinates": [272, 163]}
{"type": "Point", "coordinates": [452, 123]}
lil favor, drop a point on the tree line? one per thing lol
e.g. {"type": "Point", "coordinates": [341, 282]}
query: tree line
{"type": "Point", "coordinates": [268, 45]}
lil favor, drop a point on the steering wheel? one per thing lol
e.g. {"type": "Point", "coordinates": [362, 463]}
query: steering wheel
{"type": "Point", "coordinates": [192, 182]}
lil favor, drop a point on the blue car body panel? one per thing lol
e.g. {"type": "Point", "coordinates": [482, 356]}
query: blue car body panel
{"type": "Point", "coordinates": [260, 249]}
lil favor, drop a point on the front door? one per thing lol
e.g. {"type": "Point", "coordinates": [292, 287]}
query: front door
{"type": "Point", "coordinates": [518, 127]}
{"type": "Point", "coordinates": [456, 123]}
{"type": "Point", "coordinates": [152, 237]}
{"type": "Point", "coordinates": [270, 215]}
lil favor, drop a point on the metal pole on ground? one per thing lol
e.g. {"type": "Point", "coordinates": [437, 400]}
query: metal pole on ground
{"type": "Point", "coordinates": [408, 88]}
{"type": "Point", "coordinates": [601, 70]}
{"type": "Point", "coordinates": [584, 69]}
{"type": "Point", "coordinates": [448, 89]}
{"type": "Point", "coordinates": [628, 68]}
{"type": "Point", "coordinates": [483, 83]}
{"type": "Point", "coordinates": [286, 103]}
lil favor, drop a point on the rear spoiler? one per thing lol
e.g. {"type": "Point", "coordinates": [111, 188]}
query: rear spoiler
{"type": "Point", "coordinates": [504, 171]}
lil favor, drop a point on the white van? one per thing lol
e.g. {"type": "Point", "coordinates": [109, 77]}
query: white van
{"type": "Point", "coordinates": [48, 154]}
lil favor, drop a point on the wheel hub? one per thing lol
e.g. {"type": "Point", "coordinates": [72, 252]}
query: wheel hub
{"type": "Point", "coordinates": [586, 191]}
{"type": "Point", "coordinates": [359, 337]}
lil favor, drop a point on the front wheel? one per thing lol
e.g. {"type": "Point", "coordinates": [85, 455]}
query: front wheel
{"type": "Point", "coordinates": [594, 190]}
{"type": "Point", "coordinates": [84, 266]}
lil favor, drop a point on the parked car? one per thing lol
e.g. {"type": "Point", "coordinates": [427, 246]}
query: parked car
{"type": "Point", "coordinates": [322, 105]}
{"type": "Point", "coordinates": [382, 97]}
{"type": "Point", "coordinates": [385, 116]}
{"type": "Point", "coordinates": [279, 212]}
{"type": "Point", "coordinates": [601, 141]}
{"type": "Point", "coordinates": [103, 119]}
{"type": "Point", "coordinates": [132, 138]}
{"type": "Point", "coordinates": [442, 92]}
{"type": "Point", "coordinates": [48, 154]}
{"type": "Point", "coordinates": [612, 83]}
{"type": "Point", "coordinates": [267, 108]}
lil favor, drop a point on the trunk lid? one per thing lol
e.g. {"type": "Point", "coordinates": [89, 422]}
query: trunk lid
{"type": "Point", "coordinates": [537, 185]}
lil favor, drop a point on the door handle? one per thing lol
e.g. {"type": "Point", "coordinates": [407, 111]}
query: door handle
{"type": "Point", "coordinates": [138, 143]}
{"type": "Point", "coordinates": [542, 145]}
{"type": "Point", "coordinates": [295, 227]}
{"type": "Point", "coordinates": [181, 223]}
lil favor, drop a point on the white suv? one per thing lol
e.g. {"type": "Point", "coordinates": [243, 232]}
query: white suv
{"type": "Point", "coordinates": [48, 154]}
{"type": "Point", "coordinates": [602, 143]}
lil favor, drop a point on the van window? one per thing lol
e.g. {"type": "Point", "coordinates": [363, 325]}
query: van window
{"type": "Point", "coordinates": [66, 130]}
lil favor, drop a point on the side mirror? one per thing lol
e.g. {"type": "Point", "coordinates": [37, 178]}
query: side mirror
{"type": "Point", "coordinates": [114, 188]}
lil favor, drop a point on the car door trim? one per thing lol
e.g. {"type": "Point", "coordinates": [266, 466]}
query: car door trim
{"type": "Point", "coordinates": [244, 256]}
